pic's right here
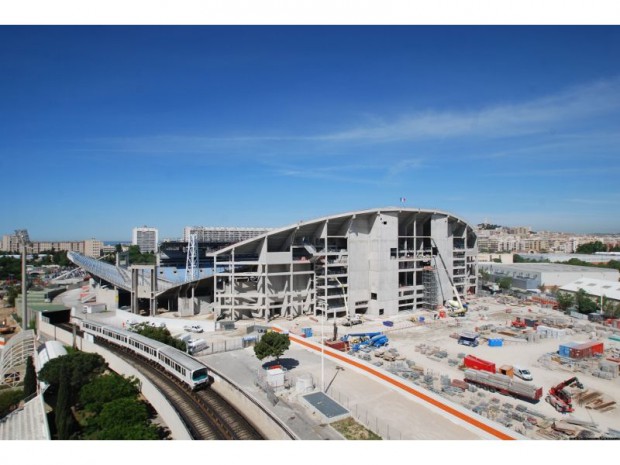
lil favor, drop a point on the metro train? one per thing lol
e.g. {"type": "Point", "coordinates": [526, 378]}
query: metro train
{"type": "Point", "coordinates": [183, 367]}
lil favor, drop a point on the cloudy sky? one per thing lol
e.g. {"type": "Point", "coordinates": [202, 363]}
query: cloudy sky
{"type": "Point", "coordinates": [107, 128]}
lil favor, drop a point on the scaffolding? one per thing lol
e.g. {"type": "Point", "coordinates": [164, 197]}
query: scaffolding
{"type": "Point", "coordinates": [429, 280]}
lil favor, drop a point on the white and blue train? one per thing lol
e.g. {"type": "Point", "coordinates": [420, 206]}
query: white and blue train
{"type": "Point", "coordinates": [183, 367]}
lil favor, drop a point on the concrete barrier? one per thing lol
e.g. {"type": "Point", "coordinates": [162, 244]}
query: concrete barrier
{"type": "Point", "coordinates": [263, 420]}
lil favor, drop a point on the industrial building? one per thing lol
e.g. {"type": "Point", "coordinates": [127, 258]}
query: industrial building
{"type": "Point", "coordinates": [534, 275]}
{"type": "Point", "coordinates": [596, 288]}
{"type": "Point", "coordinates": [598, 257]}
{"type": "Point", "coordinates": [146, 238]}
{"type": "Point", "coordinates": [375, 262]}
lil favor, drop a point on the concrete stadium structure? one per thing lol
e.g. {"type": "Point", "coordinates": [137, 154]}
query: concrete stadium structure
{"type": "Point", "coordinates": [374, 262]}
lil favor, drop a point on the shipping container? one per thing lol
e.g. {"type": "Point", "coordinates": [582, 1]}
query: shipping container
{"type": "Point", "coordinates": [565, 348]}
{"type": "Point", "coordinates": [476, 363]}
{"type": "Point", "coordinates": [496, 342]}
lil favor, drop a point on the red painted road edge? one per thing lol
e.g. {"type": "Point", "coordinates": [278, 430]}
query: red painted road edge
{"type": "Point", "coordinates": [446, 408]}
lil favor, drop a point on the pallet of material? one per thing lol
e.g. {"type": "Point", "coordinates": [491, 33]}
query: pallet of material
{"type": "Point", "coordinates": [566, 428]}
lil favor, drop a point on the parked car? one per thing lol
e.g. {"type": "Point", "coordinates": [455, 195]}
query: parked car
{"type": "Point", "coordinates": [193, 328]}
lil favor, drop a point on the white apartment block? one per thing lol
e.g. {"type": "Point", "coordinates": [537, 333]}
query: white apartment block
{"type": "Point", "coordinates": [146, 238]}
{"type": "Point", "coordinates": [222, 234]}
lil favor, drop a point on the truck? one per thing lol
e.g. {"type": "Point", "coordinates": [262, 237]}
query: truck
{"type": "Point", "coordinates": [467, 338]}
{"type": "Point", "coordinates": [94, 308]}
{"type": "Point", "coordinates": [561, 398]}
{"type": "Point", "coordinates": [504, 385]}
{"type": "Point", "coordinates": [476, 363]}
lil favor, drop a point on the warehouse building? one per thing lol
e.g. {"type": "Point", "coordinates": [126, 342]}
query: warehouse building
{"type": "Point", "coordinates": [533, 275]}
{"type": "Point", "coordinates": [598, 289]}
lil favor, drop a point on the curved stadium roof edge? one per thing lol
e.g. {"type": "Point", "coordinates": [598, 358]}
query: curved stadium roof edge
{"type": "Point", "coordinates": [338, 215]}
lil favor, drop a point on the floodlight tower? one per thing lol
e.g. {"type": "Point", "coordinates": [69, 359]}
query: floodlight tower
{"type": "Point", "coordinates": [24, 242]}
{"type": "Point", "coordinates": [191, 265]}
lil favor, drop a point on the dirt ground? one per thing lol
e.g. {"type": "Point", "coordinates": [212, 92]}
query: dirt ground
{"type": "Point", "coordinates": [412, 339]}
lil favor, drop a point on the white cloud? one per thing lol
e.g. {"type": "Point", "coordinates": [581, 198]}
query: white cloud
{"type": "Point", "coordinates": [536, 116]}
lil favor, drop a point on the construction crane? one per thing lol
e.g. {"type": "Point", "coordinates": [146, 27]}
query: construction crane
{"type": "Point", "coordinates": [460, 309]}
{"type": "Point", "coordinates": [560, 398]}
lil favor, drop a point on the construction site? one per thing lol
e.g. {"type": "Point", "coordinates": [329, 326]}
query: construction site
{"type": "Point", "coordinates": [554, 377]}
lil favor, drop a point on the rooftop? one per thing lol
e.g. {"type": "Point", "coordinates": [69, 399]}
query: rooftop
{"type": "Point", "coordinates": [597, 287]}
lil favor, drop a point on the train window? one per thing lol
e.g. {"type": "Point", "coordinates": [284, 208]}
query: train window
{"type": "Point", "coordinates": [199, 374]}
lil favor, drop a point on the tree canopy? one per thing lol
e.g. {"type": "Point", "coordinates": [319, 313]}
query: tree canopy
{"type": "Point", "coordinates": [591, 247]}
{"type": "Point", "coordinates": [584, 303]}
{"type": "Point", "coordinates": [505, 283]}
{"type": "Point", "coordinates": [161, 335]}
{"type": "Point", "coordinates": [565, 300]}
{"type": "Point", "coordinates": [106, 388]}
{"type": "Point", "coordinates": [80, 368]}
{"type": "Point", "coordinates": [272, 344]}
{"type": "Point", "coordinates": [124, 418]}
{"type": "Point", "coordinates": [30, 379]}
{"type": "Point", "coordinates": [9, 399]}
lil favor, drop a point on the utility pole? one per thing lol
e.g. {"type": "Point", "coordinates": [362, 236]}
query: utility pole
{"type": "Point", "coordinates": [24, 242]}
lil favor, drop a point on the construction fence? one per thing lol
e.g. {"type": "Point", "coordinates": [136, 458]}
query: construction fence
{"type": "Point", "coordinates": [363, 416]}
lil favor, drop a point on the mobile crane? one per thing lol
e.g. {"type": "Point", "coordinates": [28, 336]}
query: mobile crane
{"type": "Point", "coordinates": [455, 307]}
{"type": "Point", "coordinates": [560, 398]}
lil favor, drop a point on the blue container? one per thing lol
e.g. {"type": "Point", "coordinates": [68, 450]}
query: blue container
{"type": "Point", "coordinates": [421, 319]}
{"type": "Point", "coordinates": [388, 323]}
{"type": "Point", "coordinates": [307, 332]}
{"type": "Point", "coordinates": [496, 342]}
{"type": "Point", "coordinates": [565, 349]}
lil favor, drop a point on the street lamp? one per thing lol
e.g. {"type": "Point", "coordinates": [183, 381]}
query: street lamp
{"type": "Point", "coordinates": [323, 304]}
{"type": "Point", "coordinates": [24, 242]}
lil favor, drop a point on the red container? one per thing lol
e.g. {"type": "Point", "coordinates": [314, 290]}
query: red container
{"type": "Point", "coordinates": [586, 350]}
{"type": "Point", "coordinates": [476, 363]}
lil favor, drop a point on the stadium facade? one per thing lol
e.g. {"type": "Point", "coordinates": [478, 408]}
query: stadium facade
{"type": "Point", "coordinates": [374, 262]}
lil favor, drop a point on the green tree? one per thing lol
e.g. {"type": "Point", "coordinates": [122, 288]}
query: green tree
{"type": "Point", "coordinates": [272, 344]}
{"type": "Point", "coordinates": [9, 400]}
{"type": "Point", "coordinates": [30, 379]}
{"type": "Point", "coordinates": [122, 419]}
{"type": "Point", "coordinates": [106, 388]}
{"type": "Point", "coordinates": [161, 335]}
{"type": "Point", "coordinates": [80, 368]}
{"type": "Point", "coordinates": [592, 247]}
{"type": "Point", "coordinates": [485, 276]}
{"type": "Point", "coordinates": [584, 303]}
{"type": "Point", "coordinates": [62, 411]}
{"type": "Point", "coordinates": [565, 300]}
{"type": "Point", "coordinates": [12, 294]}
{"type": "Point", "coordinates": [505, 283]}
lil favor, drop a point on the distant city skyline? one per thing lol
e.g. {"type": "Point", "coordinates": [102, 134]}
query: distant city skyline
{"type": "Point", "coordinates": [109, 128]}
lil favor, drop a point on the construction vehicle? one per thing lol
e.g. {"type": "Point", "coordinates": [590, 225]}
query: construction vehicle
{"type": "Point", "coordinates": [504, 385]}
{"type": "Point", "coordinates": [560, 397]}
{"type": "Point", "coordinates": [455, 307]}
{"type": "Point", "coordinates": [518, 323]}
{"type": "Point", "coordinates": [359, 340]}
{"type": "Point", "coordinates": [468, 338]}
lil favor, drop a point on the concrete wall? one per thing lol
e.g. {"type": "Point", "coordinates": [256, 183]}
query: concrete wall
{"type": "Point", "coordinates": [251, 409]}
{"type": "Point", "coordinates": [443, 240]}
{"type": "Point", "coordinates": [108, 297]}
{"type": "Point", "coordinates": [358, 275]}
{"type": "Point", "coordinates": [383, 269]}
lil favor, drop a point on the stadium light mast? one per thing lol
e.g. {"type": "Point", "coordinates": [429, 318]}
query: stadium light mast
{"type": "Point", "coordinates": [24, 242]}
{"type": "Point", "coordinates": [192, 266]}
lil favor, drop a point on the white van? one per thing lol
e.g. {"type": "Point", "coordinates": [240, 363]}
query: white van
{"type": "Point", "coordinates": [523, 373]}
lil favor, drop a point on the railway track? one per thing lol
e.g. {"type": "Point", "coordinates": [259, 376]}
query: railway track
{"type": "Point", "coordinates": [205, 413]}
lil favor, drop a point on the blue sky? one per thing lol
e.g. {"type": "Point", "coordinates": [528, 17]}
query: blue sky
{"type": "Point", "coordinates": [107, 128]}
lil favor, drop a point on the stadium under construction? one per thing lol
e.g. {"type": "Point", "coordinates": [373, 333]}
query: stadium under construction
{"type": "Point", "coordinates": [375, 262]}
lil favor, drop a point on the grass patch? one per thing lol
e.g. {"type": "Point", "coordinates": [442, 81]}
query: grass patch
{"type": "Point", "coordinates": [352, 430]}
